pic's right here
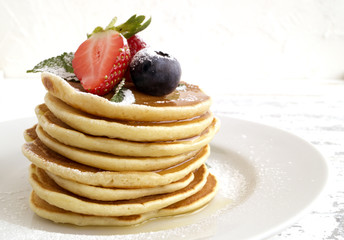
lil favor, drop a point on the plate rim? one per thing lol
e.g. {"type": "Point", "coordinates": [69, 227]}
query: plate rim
{"type": "Point", "coordinates": [320, 193]}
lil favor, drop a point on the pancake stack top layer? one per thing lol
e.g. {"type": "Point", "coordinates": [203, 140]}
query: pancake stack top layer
{"type": "Point", "coordinates": [96, 162]}
{"type": "Point", "coordinates": [185, 102]}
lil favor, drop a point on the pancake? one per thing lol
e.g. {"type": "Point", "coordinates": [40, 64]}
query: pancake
{"type": "Point", "coordinates": [68, 136]}
{"type": "Point", "coordinates": [30, 134]}
{"type": "Point", "coordinates": [99, 162]}
{"type": "Point", "coordinates": [52, 193]}
{"type": "Point", "coordinates": [109, 161]}
{"type": "Point", "coordinates": [45, 158]}
{"type": "Point", "coordinates": [192, 203]}
{"type": "Point", "coordinates": [181, 104]}
{"type": "Point", "coordinates": [113, 194]}
{"type": "Point", "coordinates": [128, 130]}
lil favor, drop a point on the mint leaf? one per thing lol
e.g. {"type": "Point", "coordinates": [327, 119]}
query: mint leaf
{"type": "Point", "coordinates": [60, 65]}
{"type": "Point", "coordinates": [63, 61]}
{"type": "Point", "coordinates": [119, 96]}
{"type": "Point", "coordinates": [119, 92]}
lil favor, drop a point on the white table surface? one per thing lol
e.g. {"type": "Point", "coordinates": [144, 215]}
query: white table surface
{"type": "Point", "coordinates": [312, 109]}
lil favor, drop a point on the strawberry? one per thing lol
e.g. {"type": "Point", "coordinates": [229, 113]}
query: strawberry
{"type": "Point", "coordinates": [101, 61]}
{"type": "Point", "coordinates": [130, 33]}
{"type": "Point", "coordinates": [127, 76]}
{"type": "Point", "coordinates": [135, 44]}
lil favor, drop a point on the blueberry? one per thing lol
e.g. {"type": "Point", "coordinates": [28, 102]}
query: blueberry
{"type": "Point", "coordinates": [154, 72]}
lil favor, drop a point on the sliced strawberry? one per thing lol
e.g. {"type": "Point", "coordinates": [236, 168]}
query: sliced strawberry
{"type": "Point", "coordinates": [100, 61]}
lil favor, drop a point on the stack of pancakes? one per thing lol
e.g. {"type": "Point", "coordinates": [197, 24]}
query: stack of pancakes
{"type": "Point", "coordinates": [96, 162]}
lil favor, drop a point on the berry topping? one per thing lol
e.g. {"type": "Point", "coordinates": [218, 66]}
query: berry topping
{"type": "Point", "coordinates": [136, 44]}
{"type": "Point", "coordinates": [101, 61]}
{"type": "Point", "coordinates": [154, 72]}
{"type": "Point", "coordinates": [130, 28]}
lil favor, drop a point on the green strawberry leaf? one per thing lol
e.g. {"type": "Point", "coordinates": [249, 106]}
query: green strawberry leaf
{"type": "Point", "coordinates": [132, 26]}
{"type": "Point", "coordinates": [60, 65]}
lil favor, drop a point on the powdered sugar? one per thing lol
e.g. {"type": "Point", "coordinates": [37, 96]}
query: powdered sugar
{"type": "Point", "coordinates": [60, 65]}
{"type": "Point", "coordinates": [181, 87]}
{"type": "Point", "coordinates": [128, 98]}
{"type": "Point", "coordinates": [61, 72]}
{"type": "Point", "coordinates": [146, 54]}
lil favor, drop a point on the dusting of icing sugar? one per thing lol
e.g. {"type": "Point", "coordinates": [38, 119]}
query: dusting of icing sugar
{"type": "Point", "coordinates": [146, 54]}
{"type": "Point", "coordinates": [61, 72]}
{"type": "Point", "coordinates": [234, 183]}
{"type": "Point", "coordinates": [181, 87]}
{"type": "Point", "coordinates": [188, 98]}
{"type": "Point", "coordinates": [141, 56]}
{"type": "Point", "coordinates": [60, 66]}
{"type": "Point", "coordinates": [128, 97]}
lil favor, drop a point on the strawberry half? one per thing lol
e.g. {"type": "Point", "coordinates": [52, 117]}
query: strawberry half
{"type": "Point", "coordinates": [101, 61]}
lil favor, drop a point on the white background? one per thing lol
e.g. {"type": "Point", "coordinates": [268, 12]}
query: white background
{"type": "Point", "coordinates": [217, 41]}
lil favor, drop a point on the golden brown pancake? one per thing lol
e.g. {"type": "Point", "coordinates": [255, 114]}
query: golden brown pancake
{"type": "Point", "coordinates": [192, 203]}
{"type": "Point", "coordinates": [127, 130]}
{"type": "Point", "coordinates": [30, 134]}
{"type": "Point", "coordinates": [52, 193]}
{"type": "Point", "coordinates": [182, 104]}
{"type": "Point", "coordinates": [69, 136]}
{"type": "Point", "coordinates": [55, 163]}
{"type": "Point", "coordinates": [113, 194]}
{"type": "Point", "coordinates": [109, 161]}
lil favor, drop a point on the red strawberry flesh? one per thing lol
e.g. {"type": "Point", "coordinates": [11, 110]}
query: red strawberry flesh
{"type": "Point", "coordinates": [95, 58]}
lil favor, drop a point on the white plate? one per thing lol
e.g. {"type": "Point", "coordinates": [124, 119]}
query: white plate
{"type": "Point", "coordinates": [268, 178]}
